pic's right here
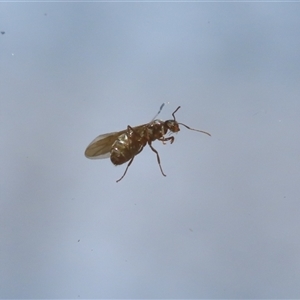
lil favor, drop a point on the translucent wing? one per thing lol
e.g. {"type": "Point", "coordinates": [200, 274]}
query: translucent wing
{"type": "Point", "coordinates": [100, 147]}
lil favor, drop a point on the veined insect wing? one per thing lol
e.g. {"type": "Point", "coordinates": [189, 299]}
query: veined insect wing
{"type": "Point", "coordinates": [100, 147]}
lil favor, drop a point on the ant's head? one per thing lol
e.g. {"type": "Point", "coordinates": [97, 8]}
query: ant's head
{"type": "Point", "coordinates": [173, 125]}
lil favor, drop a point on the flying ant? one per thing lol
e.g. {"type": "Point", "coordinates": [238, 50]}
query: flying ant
{"type": "Point", "coordinates": [123, 146]}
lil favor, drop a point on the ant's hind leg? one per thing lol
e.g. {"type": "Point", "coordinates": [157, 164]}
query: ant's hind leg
{"type": "Point", "coordinates": [158, 159]}
{"type": "Point", "coordinates": [126, 169]}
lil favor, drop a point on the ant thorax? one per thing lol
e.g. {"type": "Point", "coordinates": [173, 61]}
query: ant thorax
{"type": "Point", "coordinates": [156, 130]}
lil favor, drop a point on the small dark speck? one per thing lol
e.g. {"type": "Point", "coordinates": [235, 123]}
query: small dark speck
{"type": "Point", "coordinates": [78, 241]}
{"type": "Point", "coordinates": [2, 32]}
{"type": "Point", "coordinates": [190, 229]}
{"type": "Point", "coordinates": [45, 14]}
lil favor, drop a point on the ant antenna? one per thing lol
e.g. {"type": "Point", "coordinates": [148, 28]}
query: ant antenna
{"type": "Point", "coordinates": [160, 109]}
{"type": "Point", "coordinates": [173, 114]}
{"type": "Point", "coordinates": [195, 129]}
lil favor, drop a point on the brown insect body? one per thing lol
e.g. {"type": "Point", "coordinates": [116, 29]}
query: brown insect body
{"type": "Point", "coordinates": [132, 142]}
{"type": "Point", "coordinates": [123, 146]}
{"type": "Point", "coordinates": [126, 146]}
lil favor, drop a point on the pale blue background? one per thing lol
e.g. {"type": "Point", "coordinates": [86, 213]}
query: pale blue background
{"type": "Point", "coordinates": [224, 223]}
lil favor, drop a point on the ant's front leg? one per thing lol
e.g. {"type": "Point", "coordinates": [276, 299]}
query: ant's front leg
{"type": "Point", "coordinates": [163, 139]}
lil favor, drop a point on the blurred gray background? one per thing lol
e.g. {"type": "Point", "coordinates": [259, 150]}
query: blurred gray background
{"type": "Point", "coordinates": [224, 223]}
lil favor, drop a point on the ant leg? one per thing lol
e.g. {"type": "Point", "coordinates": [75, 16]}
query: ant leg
{"type": "Point", "coordinates": [130, 162]}
{"type": "Point", "coordinates": [158, 159]}
{"type": "Point", "coordinates": [130, 130]}
{"type": "Point", "coordinates": [126, 169]}
{"type": "Point", "coordinates": [171, 139]}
